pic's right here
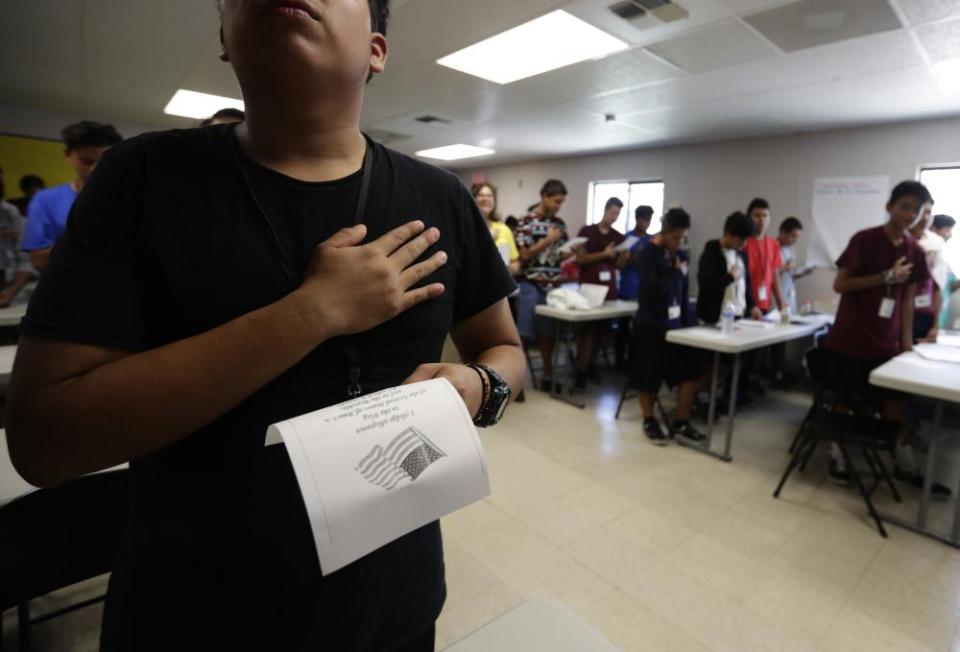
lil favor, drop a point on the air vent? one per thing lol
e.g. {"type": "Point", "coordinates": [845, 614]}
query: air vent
{"type": "Point", "coordinates": [628, 10]}
{"type": "Point", "coordinates": [385, 137]}
{"type": "Point", "coordinates": [664, 10]}
{"type": "Point", "coordinates": [653, 4]}
{"type": "Point", "coordinates": [432, 119]}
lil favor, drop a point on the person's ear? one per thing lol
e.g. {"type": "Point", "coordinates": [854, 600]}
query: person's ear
{"type": "Point", "coordinates": [378, 53]}
{"type": "Point", "coordinates": [223, 56]}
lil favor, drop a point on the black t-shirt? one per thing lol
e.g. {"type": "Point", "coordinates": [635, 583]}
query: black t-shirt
{"type": "Point", "coordinates": [166, 242]}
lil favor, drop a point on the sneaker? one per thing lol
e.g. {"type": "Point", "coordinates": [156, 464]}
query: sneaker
{"type": "Point", "coordinates": [839, 475]}
{"type": "Point", "coordinates": [521, 397]}
{"type": "Point", "coordinates": [915, 480]}
{"type": "Point", "coordinates": [651, 428]}
{"type": "Point", "coordinates": [688, 432]}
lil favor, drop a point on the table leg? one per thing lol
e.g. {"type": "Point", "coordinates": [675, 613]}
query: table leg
{"type": "Point", "coordinates": [713, 398]}
{"type": "Point", "coordinates": [931, 461]}
{"type": "Point", "coordinates": [554, 393]}
{"type": "Point", "coordinates": [732, 410]}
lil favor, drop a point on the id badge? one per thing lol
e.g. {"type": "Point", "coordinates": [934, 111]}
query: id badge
{"type": "Point", "coordinates": [886, 307]}
{"type": "Point", "coordinates": [673, 312]}
{"type": "Point", "coordinates": [923, 301]}
{"type": "Point", "coordinates": [762, 293]}
{"type": "Point", "coordinates": [605, 276]}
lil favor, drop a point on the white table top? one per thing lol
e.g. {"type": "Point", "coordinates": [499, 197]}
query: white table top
{"type": "Point", "coordinates": [743, 338]}
{"type": "Point", "coordinates": [12, 314]}
{"type": "Point", "coordinates": [7, 354]}
{"type": "Point", "coordinates": [535, 626]}
{"type": "Point", "coordinates": [910, 373]}
{"type": "Point", "coordinates": [609, 310]}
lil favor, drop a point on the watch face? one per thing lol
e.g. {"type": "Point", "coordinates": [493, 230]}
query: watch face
{"type": "Point", "coordinates": [501, 409]}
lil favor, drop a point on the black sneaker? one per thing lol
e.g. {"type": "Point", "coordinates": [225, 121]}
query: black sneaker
{"type": "Point", "coordinates": [651, 429]}
{"type": "Point", "coordinates": [687, 431]}
{"type": "Point", "coordinates": [839, 476]}
{"type": "Point", "coordinates": [915, 480]}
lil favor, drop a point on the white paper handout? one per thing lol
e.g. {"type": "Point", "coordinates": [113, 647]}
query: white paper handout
{"type": "Point", "coordinates": [569, 245]}
{"type": "Point", "coordinates": [379, 466]}
{"type": "Point", "coordinates": [937, 352]}
{"type": "Point", "coordinates": [627, 244]}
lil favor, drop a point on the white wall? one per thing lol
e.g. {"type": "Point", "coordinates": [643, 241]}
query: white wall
{"type": "Point", "coordinates": [713, 179]}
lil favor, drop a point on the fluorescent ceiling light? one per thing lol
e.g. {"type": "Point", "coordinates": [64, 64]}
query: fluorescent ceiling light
{"type": "Point", "coordinates": [191, 104]}
{"type": "Point", "coordinates": [552, 41]}
{"type": "Point", "coordinates": [948, 74]}
{"type": "Point", "coordinates": [455, 152]}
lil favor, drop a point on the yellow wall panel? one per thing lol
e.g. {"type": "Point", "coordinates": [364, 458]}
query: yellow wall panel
{"type": "Point", "coordinates": [20, 156]}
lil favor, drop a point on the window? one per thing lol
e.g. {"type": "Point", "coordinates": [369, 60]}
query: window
{"type": "Point", "coordinates": [944, 185]}
{"type": "Point", "coordinates": [632, 194]}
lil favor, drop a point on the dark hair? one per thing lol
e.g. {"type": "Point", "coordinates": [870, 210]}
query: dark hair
{"type": "Point", "coordinates": [512, 222]}
{"type": "Point", "coordinates": [643, 213]}
{"type": "Point", "coordinates": [30, 182]}
{"type": "Point", "coordinates": [758, 202]}
{"type": "Point", "coordinates": [675, 218]}
{"type": "Point", "coordinates": [475, 190]}
{"type": "Point", "coordinates": [739, 225]}
{"type": "Point", "coordinates": [613, 201]}
{"type": "Point", "coordinates": [553, 187]}
{"type": "Point", "coordinates": [943, 222]}
{"type": "Point", "coordinates": [913, 189]}
{"type": "Point", "coordinates": [236, 114]}
{"type": "Point", "coordinates": [90, 134]}
{"type": "Point", "coordinates": [379, 15]}
{"type": "Point", "coordinates": [791, 224]}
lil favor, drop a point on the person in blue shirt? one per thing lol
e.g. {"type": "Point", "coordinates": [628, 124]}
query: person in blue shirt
{"type": "Point", "coordinates": [662, 299]}
{"type": "Point", "coordinates": [84, 143]}
{"type": "Point", "coordinates": [630, 281]}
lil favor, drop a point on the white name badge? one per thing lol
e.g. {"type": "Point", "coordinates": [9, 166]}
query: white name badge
{"type": "Point", "coordinates": [923, 301]}
{"type": "Point", "coordinates": [886, 307]}
{"type": "Point", "coordinates": [605, 276]}
{"type": "Point", "coordinates": [762, 293]}
{"type": "Point", "coordinates": [673, 312]}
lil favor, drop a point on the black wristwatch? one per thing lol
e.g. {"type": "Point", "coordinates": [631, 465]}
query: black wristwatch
{"type": "Point", "coordinates": [495, 397]}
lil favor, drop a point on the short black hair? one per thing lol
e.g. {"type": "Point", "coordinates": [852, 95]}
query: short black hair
{"type": "Point", "coordinates": [613, 201]}
{"type": "Point", "coordinates": [913, 189]}
{"type": "Point", "coordinates": [643, 213]}
{"type": "Point", "coordinates": [87, 133]}
{"type": "Point", "coordinates": [758, 202]}
{"type": "Point", "coordinates": [553, 187]}
{"type": "Point", "coordinates": [943, 222]}
{"type": "Point", "coordinates": [237, 114]}
{"type": "Point", "coordinates": [30, 182]}
{"type": "Point", "coordinates": [675, 218]}
{"type": "Point", "coordinates": [791, 224]}
{"type": "Point", "coordinates": [739, 225]}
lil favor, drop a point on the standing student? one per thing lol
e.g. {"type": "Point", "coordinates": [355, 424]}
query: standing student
{"type": "Point", "coordinates": [599, 261]}
{"type": "Point", "coordinates": [540, 235]}
{"type": "Point", "coordinates": [84, 143]}
{"type": "Point", "coordinates": [763, 254]}
{"type": "Point", "coordinates": [877, 278]}
{"type": "Point", "coordinates": [928, 300]}
{"type": "Point", "coordinates": [722, 275]}
{"type": "Point", "coordinates": [630, 280]}
{"type": "Point", "coordinates": [214, 281]}
{"type": "Point", "coordinates": [15, 268]}
{"type": "Point", "coordinates": [485, 194]}
{"type": "Point", "coordinates": [30, 185]}
{"type": "Point", "coordinates": [943, 226]}
{"type": "Point", "coordinates": [662, 307]}
{"type": "Point", "coordinates": [789, 271]}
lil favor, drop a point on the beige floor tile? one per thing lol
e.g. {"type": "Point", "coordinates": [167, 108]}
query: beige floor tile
{"type": "Point", "coordinates": [818, 565]}
{"type": "Point", "coordinates": [598, 503]}
{"type": "Point", "coordinates": [609, 556]}
{"type": "Point", "coordinates": [460, 618]}
{"type": "Point", "coordinates": [475, 519]}
{"type": "Point", "coordinates": [507, 550]}
{"type": "Point", "coordinates": [750, 537]}
{"type": "Point", "coordinates": [563, 580]}
{"type": "Point", "coordinates": [650, 531]}
{"type": "Point", "coordinates": [793, 608]}
{"type": "Point", "coordinates": [731, 574]}
{"type": "Point", "coordinates": [632, 627]}
{"type": "Point", "coordinates": [855, 632]}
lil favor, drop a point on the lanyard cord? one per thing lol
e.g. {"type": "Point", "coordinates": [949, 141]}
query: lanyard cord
{"type": "Point", "coordinates": [354, 388]}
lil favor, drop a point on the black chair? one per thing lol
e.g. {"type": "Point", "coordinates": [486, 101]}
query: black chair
{"type": "Point", "coordinates": [857, 426]}
{"type": "Point", "coordinates": [53, 538]}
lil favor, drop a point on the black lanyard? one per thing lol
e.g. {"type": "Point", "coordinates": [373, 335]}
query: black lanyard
{"type": "Point", "coordinates": [351, 354]}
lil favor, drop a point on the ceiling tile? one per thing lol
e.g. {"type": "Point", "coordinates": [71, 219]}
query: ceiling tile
{"type": "Point", "coordinates": [941, 40]}
{"type": "Point", "coordinates": [918, 12]}
{"type": "Point", "coordinates": [717, 46]}
{"type": "Point", "coordinates": [810, 23]}
{"type": "Point", "coordinates": [62, 13]}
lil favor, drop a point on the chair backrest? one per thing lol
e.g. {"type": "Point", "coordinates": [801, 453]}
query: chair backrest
{"type": "Point", "coordinates": [52, 538]}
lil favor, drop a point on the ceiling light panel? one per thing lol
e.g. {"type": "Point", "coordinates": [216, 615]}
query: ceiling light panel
{"type": "Point", "coordinates": [809, 23]}
{"type": "Point", "coordinates": [552, 41]}
{"type": "Point", "coordinates": [455, 152]}
{"type": "Point", "coordinates": [718, 46]}
{"type": "Point", "coordinates": [192, 104]}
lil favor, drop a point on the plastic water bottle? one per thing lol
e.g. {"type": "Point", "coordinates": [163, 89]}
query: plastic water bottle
{"type": "Point", "coordinates": [726, 319]}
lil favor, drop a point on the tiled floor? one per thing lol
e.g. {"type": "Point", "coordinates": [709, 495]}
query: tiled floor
{"type": "Point", "coordinates": [666, 549]}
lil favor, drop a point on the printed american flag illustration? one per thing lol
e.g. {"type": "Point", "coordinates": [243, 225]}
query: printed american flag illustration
{"type": "Point", "coordinates": [406, 457]}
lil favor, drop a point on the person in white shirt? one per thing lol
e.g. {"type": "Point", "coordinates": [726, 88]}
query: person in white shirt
{"type": "Point", "coordinates": [790, 270]}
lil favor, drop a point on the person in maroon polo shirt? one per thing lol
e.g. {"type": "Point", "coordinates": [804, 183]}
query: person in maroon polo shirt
{"type": "Point", "coordinates": [877, 278]}
{"type": "Point", "coordinates": [598, 260]}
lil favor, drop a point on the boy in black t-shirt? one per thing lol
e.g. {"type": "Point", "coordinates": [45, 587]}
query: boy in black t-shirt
{"type": "Point", "coordinates": [170, 329]}
{"type": "Point", "coordinates": [663, 307]}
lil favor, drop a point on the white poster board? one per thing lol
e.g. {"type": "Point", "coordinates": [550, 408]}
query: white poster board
{"type": "Point", "coordinates": [841, 207]}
